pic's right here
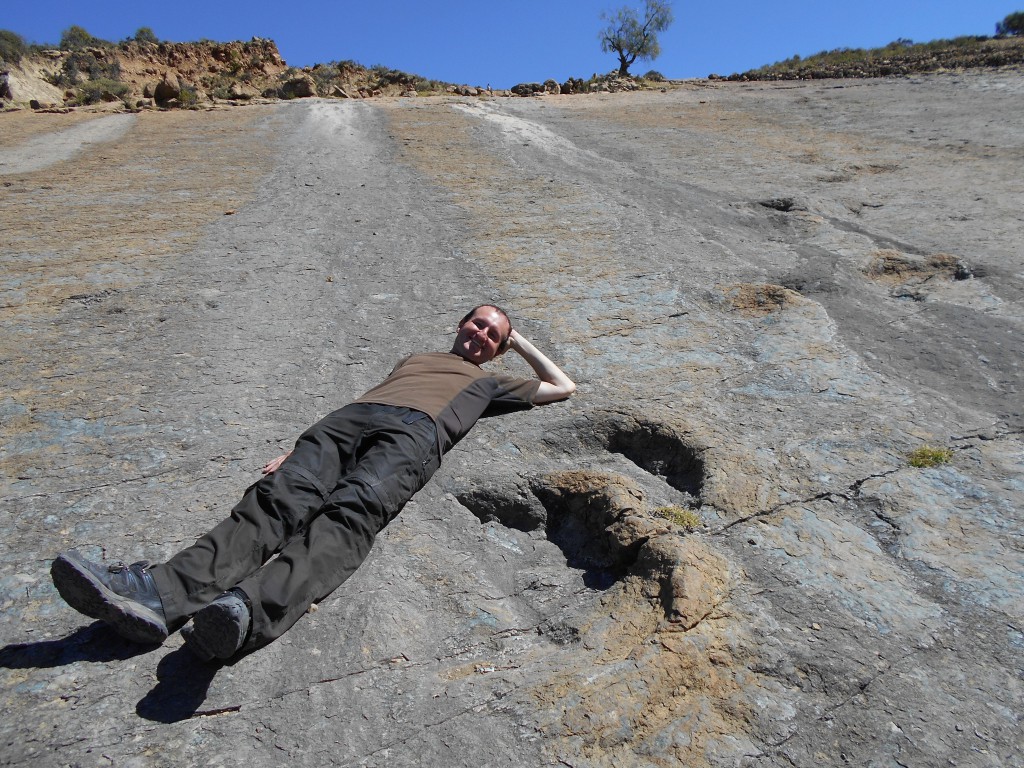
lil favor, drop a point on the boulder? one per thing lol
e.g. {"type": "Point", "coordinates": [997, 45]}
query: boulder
{"type": "Point", "coordinates": [527, 89]}
{"type": "Point", "coordinates": [38, 104]}
{"type": "Point", "coordinates": [573, 85]}
{"type": "Point", "coordinates": [300, 87]}
{"type": "Point", "coordinates": [242, 91]}
{"type": "Point", "coordinates": [168, 88]}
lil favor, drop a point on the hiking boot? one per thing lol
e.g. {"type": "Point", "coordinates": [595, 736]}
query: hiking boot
{"type": "Point", "coordinates": [122, 596]}
{"type": "Point", "coordinates": [219, 630]}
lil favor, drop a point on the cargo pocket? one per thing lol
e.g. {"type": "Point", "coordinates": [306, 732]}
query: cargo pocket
{"type": "Point", "coordinates": [394, 491]}
{"type": "Point", "coordinates": [308, 476]}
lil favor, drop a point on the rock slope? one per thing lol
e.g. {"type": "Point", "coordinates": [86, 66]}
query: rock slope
{"type": "Point", "coordinates": [769, 294]}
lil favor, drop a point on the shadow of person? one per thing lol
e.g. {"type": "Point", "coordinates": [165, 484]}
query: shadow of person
{"type": "Point", "coordinates": [95, 643]}
{"type": "Point", "coordinates": [183, 681]}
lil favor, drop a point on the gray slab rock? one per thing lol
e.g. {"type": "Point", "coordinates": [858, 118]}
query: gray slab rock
{"type": "Point", "coordinates": [718, 268]}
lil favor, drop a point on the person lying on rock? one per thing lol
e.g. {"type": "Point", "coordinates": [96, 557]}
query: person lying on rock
{"type": "Point", "coordinates": [318, 507]}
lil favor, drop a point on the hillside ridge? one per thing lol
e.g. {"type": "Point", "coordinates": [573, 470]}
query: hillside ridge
{"type": "Point", "coordinates": [134, 75]}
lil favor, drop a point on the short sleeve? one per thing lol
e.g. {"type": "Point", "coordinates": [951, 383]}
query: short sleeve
{"type": "Point", "coordinates": [511, 394]}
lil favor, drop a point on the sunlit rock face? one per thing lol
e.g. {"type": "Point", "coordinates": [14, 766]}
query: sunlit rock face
{"type": "Point", "coordinates": [718, 552]}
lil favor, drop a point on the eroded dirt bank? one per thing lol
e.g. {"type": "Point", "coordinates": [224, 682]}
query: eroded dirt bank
{"type": "Point", "coordinates": [769, 295]}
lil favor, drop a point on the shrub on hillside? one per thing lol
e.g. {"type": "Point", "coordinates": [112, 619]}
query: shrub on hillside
{"type": "Point", "coordinates": [188, 97]}
{"type": "Point", "coordinates": [898, 57]}
{"type": "Point", "coordinates": [12, 46]}
{"type": "Point", "coordinates": [325, 76]}
{"type": "Point", "coordinates": [381, 77]}
{"type": "Point", "coordinates": [351, 73]}
{"type": "Point", "coordinates": [84, 65]}
{"type": "Point", "coordinates": [95, 91]}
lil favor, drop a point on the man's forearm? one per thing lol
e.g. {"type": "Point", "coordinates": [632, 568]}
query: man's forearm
{"type": "Point", "coordinates": [554, 384]}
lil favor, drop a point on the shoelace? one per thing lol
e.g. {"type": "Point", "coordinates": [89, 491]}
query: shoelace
{"type": "Point", "coordinates": [118, 567]}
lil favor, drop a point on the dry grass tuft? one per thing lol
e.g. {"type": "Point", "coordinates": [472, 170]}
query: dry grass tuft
{"type": "Point", "coordinates": [927, 456]}
{"type": "Point", "coordinates": [681, 516]}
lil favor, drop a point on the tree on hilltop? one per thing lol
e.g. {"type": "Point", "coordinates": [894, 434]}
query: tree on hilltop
{"type": "Point", "coordinates": [145, 35]}
{"type": "Point", "coordinates": [75, 38]}
{"type": "Point", "coordinates": [12, 46]}
{"type": "Point", "coordinates": [631, 36]}
{"type": "Point", "coordinates": [1011, 25]}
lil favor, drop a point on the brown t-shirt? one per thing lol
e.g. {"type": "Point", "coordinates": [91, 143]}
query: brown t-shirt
{"type": "Point", "coordinates": [452, 391]}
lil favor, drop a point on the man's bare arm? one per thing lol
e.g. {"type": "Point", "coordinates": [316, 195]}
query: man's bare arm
{"type": "Point", "coordinates": [554, 384]}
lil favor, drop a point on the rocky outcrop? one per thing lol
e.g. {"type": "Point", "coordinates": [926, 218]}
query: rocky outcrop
{"type": "Point", "coordinates": [157, 71]}
{"type": "Point", "coordinates": [536, 89]}
{"type": "Point", "coordinates": [604, 84]}
{"type": "Point", "coordinates": [463, 90]}
{"type": "Point", "coordinates": [256, 61]}
{"type": "Point", "coordinates": [527, 89]}
{"type": "Point", "coordinates": [24, 82]}
{"type": "Point", "coordinates": [573, 85]}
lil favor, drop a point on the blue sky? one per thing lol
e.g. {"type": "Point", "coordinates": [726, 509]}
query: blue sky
{"type": "Point", "coordinates": [502, 43]}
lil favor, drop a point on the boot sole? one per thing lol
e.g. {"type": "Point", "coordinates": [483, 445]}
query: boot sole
{"type": "Point", "coordinates": [195, 644]}
{"type": "Point", "coordinates": [216, 633]}
{"type": "Point", "coordinates": [88, 595]}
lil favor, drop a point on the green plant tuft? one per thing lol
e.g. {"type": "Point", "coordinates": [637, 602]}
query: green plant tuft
{"type": "Point", "coordinates": [927, 456]}
{"type": "Point", "coordinates": [681, 516]}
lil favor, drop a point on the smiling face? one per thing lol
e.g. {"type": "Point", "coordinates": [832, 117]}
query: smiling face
{"type": "Point", "coordinates": [481, 336]}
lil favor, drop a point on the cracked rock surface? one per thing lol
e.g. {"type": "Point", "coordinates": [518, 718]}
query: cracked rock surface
{"type": "Point", "coordinates": [768, 294]}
